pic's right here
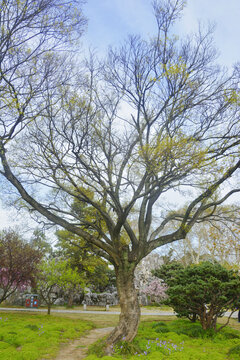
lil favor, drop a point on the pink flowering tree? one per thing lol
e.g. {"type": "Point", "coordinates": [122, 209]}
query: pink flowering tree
{"type": "Point", "coordinates": [18, 264]}
{"type": "Point", "coordinates": [156, 290]}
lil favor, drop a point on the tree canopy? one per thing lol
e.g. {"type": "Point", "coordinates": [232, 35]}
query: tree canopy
{"type": "Point", "coordinates": [155, 118]}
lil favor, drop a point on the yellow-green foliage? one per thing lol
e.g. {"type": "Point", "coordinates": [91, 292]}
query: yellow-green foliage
{"type": "Point", "coordinates": [179, 151]}
{"type": "Point", "coordinates": [25, 337]}
{"type": "Point", "coordinates": [232, 97]}
{"type": "Point", "coordinates": [176, 69]}
{"type": "Point", "coordinates": [60, 273]}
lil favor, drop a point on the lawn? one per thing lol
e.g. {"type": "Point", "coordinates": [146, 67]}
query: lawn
{"type": "Point", "coordinates": [36, 336]}
{"type": "Point", "coordinates": [176, 340]}
{"type": "Point", "coordinates": [32, 337]}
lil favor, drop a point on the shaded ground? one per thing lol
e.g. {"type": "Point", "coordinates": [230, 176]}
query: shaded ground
{"type": "Point", "coordinates": [77, 349]}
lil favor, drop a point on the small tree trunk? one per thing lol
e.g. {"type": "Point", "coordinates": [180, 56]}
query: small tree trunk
{"type": "Point", "coordinates": [70, 300]}
{"type": "Point", "coordinates": [49, 309]}
{"type": "Point", "coordinates": [130, 309]}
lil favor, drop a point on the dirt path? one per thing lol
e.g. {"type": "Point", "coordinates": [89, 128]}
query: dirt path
{"type": "Point", "coordinates": [77, 349]}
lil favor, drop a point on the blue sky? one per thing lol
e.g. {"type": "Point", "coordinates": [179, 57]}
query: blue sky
{"type": "Point", "coordinates": [110, 21]}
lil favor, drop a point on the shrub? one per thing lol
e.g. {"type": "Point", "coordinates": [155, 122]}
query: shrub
{"type": "Point", "coordinates": [204, 291]}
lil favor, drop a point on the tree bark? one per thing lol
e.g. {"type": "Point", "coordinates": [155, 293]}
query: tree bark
{"type": "Point", "coordinates": [130, 310]}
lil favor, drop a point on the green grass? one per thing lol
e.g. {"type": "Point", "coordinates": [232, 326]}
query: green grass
{"type": "Point", "coordinates": [176, 340]}
{"type": "Point", "coordinates": [32, 337]}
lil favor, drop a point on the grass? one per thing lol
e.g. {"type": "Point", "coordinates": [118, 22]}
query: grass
{"type": "Point", "coordinates": [178, 340]}
{"type": "Point", "coordinates": [25, 336]}
{"type": "Point", "coordinates": [38, 336]}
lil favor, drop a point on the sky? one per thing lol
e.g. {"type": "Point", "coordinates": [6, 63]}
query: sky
{"type": "Point", "coordinates": [110, 21]}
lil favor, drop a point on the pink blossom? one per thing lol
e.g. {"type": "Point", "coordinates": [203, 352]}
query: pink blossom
{"type": "Point", "coordinates": [14, 280]}
{"type": "Point", "coordinates": [156, 289]}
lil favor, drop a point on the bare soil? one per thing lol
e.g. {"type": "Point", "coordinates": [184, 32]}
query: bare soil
{"type": "Point", "coordinates": [77, 349]}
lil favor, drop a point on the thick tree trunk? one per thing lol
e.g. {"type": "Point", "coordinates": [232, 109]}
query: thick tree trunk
{"type": "Point", "coordinates": [130, 309]}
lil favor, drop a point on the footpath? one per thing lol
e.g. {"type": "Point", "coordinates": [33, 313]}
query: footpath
{"type": "Point", "coordinates": [77, 349]}
{"type": "Point", "coordinates": [145, 312]}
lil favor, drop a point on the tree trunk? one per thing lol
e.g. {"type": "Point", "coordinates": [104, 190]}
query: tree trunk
{"type": "Point", "coordinates": [208, 319]}
{"type": "Point", "coordinates": [49, 308]}
{"type": "Point", "coordinates": [130, 309]}
{"type": "Point", "coordinates": [70, 300]}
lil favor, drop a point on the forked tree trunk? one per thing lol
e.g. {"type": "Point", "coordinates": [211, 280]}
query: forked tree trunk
{"type": "Point", "coordinates": [130, 309]}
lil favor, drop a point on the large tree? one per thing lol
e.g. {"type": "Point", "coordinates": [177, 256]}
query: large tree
{"type": "Point", "coordinates": [157, 117]}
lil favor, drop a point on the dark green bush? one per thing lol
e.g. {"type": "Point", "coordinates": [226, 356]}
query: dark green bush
{"type": "Point", "coordinates": [32, 327]}
{"type": "Point", "coordinates": [161, 329]}
{"type": "Point", "coordinates": [160, 323]}
{"type": "Point", "coordinates": [201, 291]}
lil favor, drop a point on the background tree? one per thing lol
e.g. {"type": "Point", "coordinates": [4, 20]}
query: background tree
{"type": "Point", "coordinates": [209, 241]}
{"type": "Point", "coordinates": [56, 275]}
{"type": "Point", "coordinates": [83, 257]}
{"type": "Point", "coordinates": [157, 118]}
{"type": "Point", "coordinates": [156, 290]}
{"type": "Point", "coordinates": [18, 264]}
{"type": "Point", "coordinates": [39, 242]}
{"type": "Point", "coordinates": [202, 291]}
{"type": "Point", "coordinates": [143, 273]}
{"type": "Point", "coordinates": [225, 245]}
